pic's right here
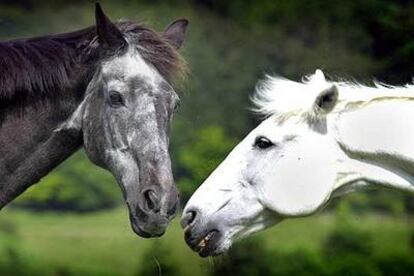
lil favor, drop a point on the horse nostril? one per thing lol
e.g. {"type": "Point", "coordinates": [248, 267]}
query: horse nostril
{"type": "Point", "coordinates": [192, 217]}
{"type": "Point", "coordinates": [151, 200]}
{"type": "Point", "coordinates": [188, 218]}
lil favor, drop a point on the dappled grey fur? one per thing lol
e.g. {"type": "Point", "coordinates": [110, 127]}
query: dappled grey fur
{"type": "Point", "coordinates": [46, 93]}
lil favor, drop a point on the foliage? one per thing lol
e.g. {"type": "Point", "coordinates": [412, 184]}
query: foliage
{"type": "Point", "coordinates": [396, 265]}
{"type": "Point", "coordinates": [412, 240]}
{"type": "Point", "coordinates": [201, 156]}
{"type": "Point", "coordinates": [248, 257]}
{"type": "Point", "coordinates": [101, 243]}
{"type": "Point", "coordinates": [343, 240]}
{"type": "Point", "coordinates": [74, 186]}
{"type": "Point", "coordinates": [159, 262]}
{"type": "Point", "coordinates": [381, 200]}
{"type": "Point", "coordinates": [349, 248]}
{"type": "Point", "coordinates": [378, 28]}
{"type": "Point", "coordinates": [346, 251]}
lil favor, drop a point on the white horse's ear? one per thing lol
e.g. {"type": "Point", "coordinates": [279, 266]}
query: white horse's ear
{"type": "Point", "coordinates": [326, 100]}
{"type": "Point", "coordinates": [319, 76]}
{"type": "Point", "coordinates": [317, 79]}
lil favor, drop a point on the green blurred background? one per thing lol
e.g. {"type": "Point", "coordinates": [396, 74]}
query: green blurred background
{"type": "Point", "coordinates": [74, 221]}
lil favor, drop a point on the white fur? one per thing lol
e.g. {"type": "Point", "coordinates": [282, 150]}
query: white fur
{"type": "Point", "coordinates": [130, 65]}
{"type": "Point", "coordinates": [367, 138]}
{"type": "Point", "coordinates": [277, 96]}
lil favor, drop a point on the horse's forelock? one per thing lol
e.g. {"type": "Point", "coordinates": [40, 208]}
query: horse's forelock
{"type": "Point", "coordinates": [156, 50]}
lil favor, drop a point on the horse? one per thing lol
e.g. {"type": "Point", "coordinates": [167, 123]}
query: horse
{"type": "Point", "coordinates": [106, 88]}
{"type": "Point", "coordinates": [319, 140]}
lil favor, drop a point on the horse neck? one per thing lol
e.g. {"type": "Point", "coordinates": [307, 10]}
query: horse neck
{"type": "Point", "coordinates": [377, 141]}
{"type": "Point", "coordinates": [29, 145]}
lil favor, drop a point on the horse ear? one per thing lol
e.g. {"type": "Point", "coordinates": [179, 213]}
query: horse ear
{"type": "Point", "coordinates": [109, 36]}
{"type": "Point", "coordinates": [175, 32]}
{"type": "Point", "coordinates": [326, 100]}
{"type": "Point", "coordinates": [318, 77]}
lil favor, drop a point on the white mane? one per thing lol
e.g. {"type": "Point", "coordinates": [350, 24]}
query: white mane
{"type": "Point", "coordinates": [278, 96]}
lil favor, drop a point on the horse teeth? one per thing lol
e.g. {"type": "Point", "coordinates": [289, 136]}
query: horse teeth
{"type": "Point", "coordinates": [205, 240]}
{"type": "Point", "coordinates": [202, 243]}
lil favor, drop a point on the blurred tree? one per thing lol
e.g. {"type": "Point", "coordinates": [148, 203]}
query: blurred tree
{"type": "Point", "coordinates": [246, 258]}
{"type": "Point", "coordinates": [158, 261]}
{"type": "Point", "coordinates": [297, 263]}
{"type": "Point", "coordinates": [396, 265]}
{"type": "Point", "coordinates": [205, 151]}
{"type": "Point", "coordinates": [345, 240]}
{"type": "Point", "coordinates": [75, 186]}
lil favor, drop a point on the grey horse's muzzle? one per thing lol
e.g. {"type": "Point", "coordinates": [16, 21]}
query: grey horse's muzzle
{"type": "Point", "coordinates": [152, 212]}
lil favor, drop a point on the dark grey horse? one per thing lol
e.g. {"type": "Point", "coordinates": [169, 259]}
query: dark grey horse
{"type": "Point", "coordinates": [106, 88]}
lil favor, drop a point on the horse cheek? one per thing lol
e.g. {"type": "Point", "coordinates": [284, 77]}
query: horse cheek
{"type": "Point", "coordinates": [300, 183]}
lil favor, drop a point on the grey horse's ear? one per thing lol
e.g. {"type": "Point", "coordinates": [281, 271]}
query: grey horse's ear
{"type": "Point", "coordinates": [326, 100]}
{"type": "Point", "coordinates": [175, 32]}
{"type": "Point", "coordinates": [109, 36]}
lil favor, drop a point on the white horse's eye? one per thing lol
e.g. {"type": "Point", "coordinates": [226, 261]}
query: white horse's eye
{"type": "Point", "coordinates": [263, 143]}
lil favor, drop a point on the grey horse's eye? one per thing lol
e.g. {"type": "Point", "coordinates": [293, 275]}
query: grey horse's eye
{"type": "Point", "coordinates": [263, 143]}
{"type": "Point", "coordinates": [116, 99]}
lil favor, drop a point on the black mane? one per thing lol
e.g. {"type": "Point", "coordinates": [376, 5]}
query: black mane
{"type": "Point", "coordinates": [43, 67]}
{"type": "Point", "coordinates": [40, 66]}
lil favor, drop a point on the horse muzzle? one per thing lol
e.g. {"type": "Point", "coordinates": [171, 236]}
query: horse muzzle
{"type": "Point", "coordinates": [153, 211]}
{"type": "Point", "coordinates": [206, 239]}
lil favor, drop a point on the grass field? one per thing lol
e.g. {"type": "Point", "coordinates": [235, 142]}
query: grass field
{"type": "Point", "coordinates": [103, 243]}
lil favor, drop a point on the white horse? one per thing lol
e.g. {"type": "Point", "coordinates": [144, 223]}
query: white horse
{"type": "Point", "coordinates": [320, 139]}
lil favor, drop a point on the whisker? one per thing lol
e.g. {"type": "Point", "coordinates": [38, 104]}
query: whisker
{"type": "Point", "coordinates": [158, 265]}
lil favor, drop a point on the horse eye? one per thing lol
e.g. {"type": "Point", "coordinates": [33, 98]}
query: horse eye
{"type": "Point", "coordinates": [116, 98]}
{"type": "Point", "coordinates": [263, 143]}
